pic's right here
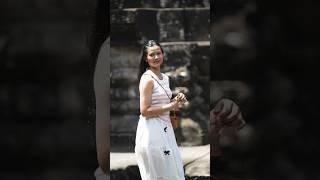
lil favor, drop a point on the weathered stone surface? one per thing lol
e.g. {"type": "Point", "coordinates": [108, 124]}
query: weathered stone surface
{"type": "Point", "coordinates": [201, 58]}
{"type": "Point", "coordinates": [193, 3]}
{"type": "Point", "coordinates": [124, 123]}
{"type": "Point", "coordinates": [130, 92]}
{"type": "Point", "coordinates": [197, 25]}
{"type": "Point", "coordinates": [171, 25]}
{"type": "Point", "coordinates": [120, 4]}
{"type": "Point", "coordinates": [124, 33]}
{"type": "Point", "coordinates": [126, 75]}
{"type": "Point", "coordinates": [190, 24]}
{"type": "Point", "coordinates": [185, 53]}
{"type": "Point", "coordinates": [128, 106]}
{"type": "Point", "coordinates": [124, 56]}
{"type": "Point", "coordinates": [192, 132]}
{"type": "Point", "coordinates": [123, 17]}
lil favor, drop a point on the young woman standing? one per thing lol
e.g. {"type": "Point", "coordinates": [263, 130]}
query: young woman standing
{"type": "Point", "coordinates": [156, 148]}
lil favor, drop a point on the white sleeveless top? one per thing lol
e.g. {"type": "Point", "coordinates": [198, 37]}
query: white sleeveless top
{"type": "Point", "coordinates": [159, 93]}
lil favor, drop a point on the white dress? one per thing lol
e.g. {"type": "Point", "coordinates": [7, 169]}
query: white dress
{"type": "Point", "coordinates": [156, 148]}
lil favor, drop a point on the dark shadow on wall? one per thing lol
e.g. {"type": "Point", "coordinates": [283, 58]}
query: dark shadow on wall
{"type": "Point", "coordinates": [46, 130]}
{"type": "Point", "coordinates": [265, 58]}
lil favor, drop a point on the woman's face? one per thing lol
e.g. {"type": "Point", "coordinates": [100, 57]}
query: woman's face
{"type": "Point", "coordinates": [154, 56]}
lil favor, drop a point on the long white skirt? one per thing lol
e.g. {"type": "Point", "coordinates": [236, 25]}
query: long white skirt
{"type": "Point", "coordinates": [156, 151]}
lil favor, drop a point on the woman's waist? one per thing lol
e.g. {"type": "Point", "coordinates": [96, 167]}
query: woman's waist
{"type": "Point", "coordinates": [163, 117]}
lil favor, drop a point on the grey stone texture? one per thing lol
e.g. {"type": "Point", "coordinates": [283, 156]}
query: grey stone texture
{"type": "Point", "coordinates": [167, 24]}
{"type": "Point", "coordinates": [121, 4]}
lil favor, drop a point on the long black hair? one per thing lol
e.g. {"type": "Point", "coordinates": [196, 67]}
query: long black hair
{"type": "Point", "coordinates": [143, 63]}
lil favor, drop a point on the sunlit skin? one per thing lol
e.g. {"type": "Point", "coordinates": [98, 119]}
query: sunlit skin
{"type": "Point", "coordinates": [154, 58]}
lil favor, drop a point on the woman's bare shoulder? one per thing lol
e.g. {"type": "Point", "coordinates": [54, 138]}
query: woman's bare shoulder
{"type": "Point", "coordinates": [146, 80]}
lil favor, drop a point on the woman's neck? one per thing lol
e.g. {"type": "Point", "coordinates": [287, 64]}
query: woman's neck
{"type": "Point", "coordinates": [156, 71]}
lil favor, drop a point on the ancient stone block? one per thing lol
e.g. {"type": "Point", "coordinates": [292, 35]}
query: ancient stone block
{"type": "Point", "coordinates": [123, 16]}
{"type": "Point", "coordinates": [197, 24]}
{"type": "Point", "coordinates": [128, 106]}
{"type": "Point", "coordinates": [171, 25]}
{"type": "Point", "coordinates": [197, 3]}
{"type": "Point", "coordinates": [124, 56]}
{"type": "Point", "coordinates": [120, 4]}
{"type": "Point", "coordinates": [124, 123]}
{"type": "Point", "coordinates": [120, 93]}
{"type": "Point", "coordinates": [147, 24]}
{"type": "Point", "coordinates": [126, 75]}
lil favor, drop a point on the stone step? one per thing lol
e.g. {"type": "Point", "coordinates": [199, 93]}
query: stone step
{"type": "Point", "coordinates": [167, 24]}
{"type": "Point", "coordinates": [120, 4]}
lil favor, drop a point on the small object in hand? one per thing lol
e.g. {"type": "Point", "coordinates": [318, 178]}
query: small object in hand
{"type": "Point", "coordinates": [179, 99]}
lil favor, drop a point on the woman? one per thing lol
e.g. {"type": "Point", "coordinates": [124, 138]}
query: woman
{"type": "Point", "coordinates": [156, 148]}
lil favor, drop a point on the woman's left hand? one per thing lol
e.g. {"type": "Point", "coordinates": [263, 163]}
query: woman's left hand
{"type": "Point", "coordinates": [181, 98]}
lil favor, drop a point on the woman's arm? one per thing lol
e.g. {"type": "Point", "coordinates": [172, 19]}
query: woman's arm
{"type": "Point", "coordinates": [145, 88]}
{"type": "Point", "coordinates": [102, 90]}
